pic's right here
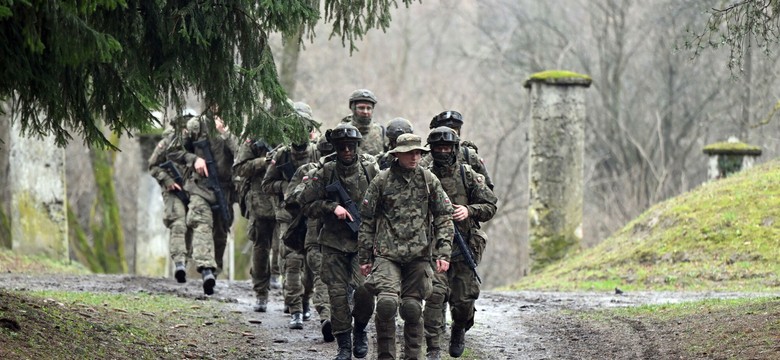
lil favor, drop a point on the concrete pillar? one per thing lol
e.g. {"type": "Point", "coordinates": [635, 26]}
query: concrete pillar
{"type": "Point", "coordinates": [726, 158]}
{"type": "Point", "coordinates": [39, 222]}
{"type": "Point", "coordinates": [556, 164]}
{"type": "Point", "coordinates": [151, 245]}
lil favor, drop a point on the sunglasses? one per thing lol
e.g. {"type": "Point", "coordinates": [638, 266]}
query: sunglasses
{"type": "Point", "coordinates": [346, 146]}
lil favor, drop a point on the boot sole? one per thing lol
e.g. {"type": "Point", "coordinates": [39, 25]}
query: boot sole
{"type": "Point", "coordinates": [296, 326]}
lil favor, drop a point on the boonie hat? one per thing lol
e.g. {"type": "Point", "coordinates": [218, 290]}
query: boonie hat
{"type": "Point", "coordinates": [408, 142]}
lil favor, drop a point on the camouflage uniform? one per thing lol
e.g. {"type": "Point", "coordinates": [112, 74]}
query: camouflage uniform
{"type": "Point", "coordinates": [280, 172]}
{"type": "Point", "coordinates": [467, 155]}
{"type": "Point", "coordinates": [398, 208]}
{"type": "Point", "coordinates": [209, 230]}
{"type": "Point", "coordinates": [259, 208]}
{"type": "Point", "coordinates": [374, 139]}
{"type": "Point", "coordinates": [175, 212]}
{"type": "Point", "coordinates": [339, 244]}
{"type": "Point", "coordinates": [459, 286]}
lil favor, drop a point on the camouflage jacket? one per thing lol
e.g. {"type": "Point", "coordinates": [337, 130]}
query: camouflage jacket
{"type": "Point", "coordinates": [467, 155]}
{"type": "Point", "coordinates": [223, 148]}
{"type": "Point", "coordinates": [398, 209]}
{"type": "Point", "coordinates": [281, 171]}
{"type": "Point", "coordinates": [374, 139]}
{"type": "Point", "coordinates": [168, 144]}
{"type": "Point", "coordinates": [292, 196]}
{"type": "Point", "coordinates": [385, 160]}
{"type": "Point", "coordinates": [318, 204]}
{"type": "Point", "coordinates": [466, 187]}
{"type": "Point", "coordinates": [251, 165]}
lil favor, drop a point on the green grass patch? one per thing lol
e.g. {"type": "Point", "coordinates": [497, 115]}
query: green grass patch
{"type": "Point", "coordinates": [721, 236]}
{"type": "Point", "coordinates": [11, 262]}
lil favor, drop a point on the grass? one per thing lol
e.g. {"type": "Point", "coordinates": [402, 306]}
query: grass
{"type": "Point", "coordinates": [721, 236]}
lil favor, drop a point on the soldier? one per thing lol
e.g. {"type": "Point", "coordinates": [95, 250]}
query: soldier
{"type": "Point", "coordinates": [171, 177]}
{"type": "Point", "coordinates": [468, 150]}
{"type": "Point", "coordinates": [209, 149]}
{"type": "Point", "coordinates": [400, 205]}
{"type": "Point", "coordinates": [473, 202]}
{"type": "Point", "coordinates": [285, 162]}
{"type": "Point", "coordinates": [330, 195]}
{"type": "Point", "coordinates": [362, 103]}
{"type": "Point", "coordinates": [314, 288]}
{"type": "Point", "coordinates": [259, 208]}
{"type": "Point", "coordinates": [395, 128]}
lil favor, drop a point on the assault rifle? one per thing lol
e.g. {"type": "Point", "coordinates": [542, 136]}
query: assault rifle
{"type": "Point", "coordinates": [260, 145]}
{"type": "Point", "coordinates": [172, 170]}
{"type": "Point", "coordinates": [337, 192]}
{"type": "Point", "coordinates": [216, 187]}
{"type": "Point", "coordinates": [466, 251]}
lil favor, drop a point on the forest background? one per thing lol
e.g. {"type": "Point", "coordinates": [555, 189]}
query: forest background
{"type": "Point", "coordinates": [650, 111]}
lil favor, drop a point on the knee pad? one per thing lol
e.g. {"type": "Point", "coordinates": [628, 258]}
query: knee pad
{"type": "Point", "coordinates": [411, 310]}
{"type": "Point", "coordinates": [386, 306]}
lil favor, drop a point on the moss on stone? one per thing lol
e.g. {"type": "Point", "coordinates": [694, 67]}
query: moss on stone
{"type": "Point", "coordinates": [561, 77]}
{"type": "Point", "coordinates": [37, 230]}
{"type": "Point", "coordinates": [731, 148]}
{"type": "Point", "coordinates": [5, 230]}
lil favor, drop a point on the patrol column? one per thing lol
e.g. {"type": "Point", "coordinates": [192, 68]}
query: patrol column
{"type": "Point", "coordinates": [556, 164]}
{"type": "Point", "coordinates": [36, 179]}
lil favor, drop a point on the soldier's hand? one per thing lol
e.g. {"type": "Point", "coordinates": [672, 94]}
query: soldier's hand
{"type": "Point", "coordinates": [342, 213]}
{"type": "Point", "coordinates": [442, 266]}
{"type": "Point", "coordinates": [200, 167]}
{"type": "Point", "coordinates": [174, 187]}
{"type": "Point", "coordinates": [365, 269]}
{"type": "Point", "coordinates": [219, 124]}
{"type": "Point", "coordinates": [461, 213]}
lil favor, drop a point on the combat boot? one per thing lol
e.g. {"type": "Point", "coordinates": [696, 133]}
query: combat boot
{"type": "Point", "coordinates": [457, 342]}
{"type": "Point", "coordinates": [327, 330]}
{"type": "Point", "coordinates": [360, 340]}
{"type": "Point", "coordinates": [345, 346]}
{"type": "Point", "coordinates": [180, 273]}
{"type": "Point", "coordinates": [306, 311]}
{"type": "Point", "coordinates": [296, 322]}
{"type": "Point", "coordinates": [208, 281]}
{"type": "Point", "coordinates": [261, 305]}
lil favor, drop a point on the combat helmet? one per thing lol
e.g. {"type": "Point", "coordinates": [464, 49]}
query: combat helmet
{"type": "Point", "coordinates": [450, 118]}
{"type": "Point", "coordinates": [343, 132]}
{"type": "Point", "coordinates": [324, 147]}
{"type": "Point", "coordinates": [362, 95]}
{"type": "Point", "coordinates": [398, 126]}
{"type": "Point", "coordinates": [444, 135]}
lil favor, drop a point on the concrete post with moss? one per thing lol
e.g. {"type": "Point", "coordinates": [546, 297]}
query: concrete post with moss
{"type": "Point", "coordinates": [726, 158]}
{"type": "Point", "coordinates": [36, 178]}
{"type": "Point", "coordinates": [151, 245]}
{"type": "Point", "coordinates": [556, 164]}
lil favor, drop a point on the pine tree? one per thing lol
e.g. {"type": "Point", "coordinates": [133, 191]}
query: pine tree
{"type": "Point", "coordinates": [80, 66]}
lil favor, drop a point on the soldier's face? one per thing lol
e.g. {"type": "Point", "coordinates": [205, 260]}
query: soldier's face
{"type": "Point", "coordinates": [347, 151]}
{"type": "Point", "coordinates": [363, 110]}
{"type": "Point", "coordinates": [409, 159]}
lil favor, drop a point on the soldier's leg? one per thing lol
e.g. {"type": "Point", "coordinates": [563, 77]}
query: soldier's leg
{"type": "Point", "coordinates": [260, 232]}
{"type": "Point", "coordinates": [464, 291]}
{"type": "Point", "coordinates": [276, 258]}
{"type": "Point", "coordinates": [416, 285]}
{"type": "Point", "coordinates": [200, 219]}
{"type": "Point", "coordinates": [362, 310]}
{"type": "Point", "coordinates": [386, 285]}
{"type": "Point", "coordinates": [175, 219]}
{"type": "Point", "coordinates": [293, 286]}
{"type": "Point", "coordinates": [220, 240]}
{"type": "Point", "coordinates": [320, 295]}
{"type": "Point", "coordinates": [336, 273]}
{"type": "Point", "coordinates": [434, 313]}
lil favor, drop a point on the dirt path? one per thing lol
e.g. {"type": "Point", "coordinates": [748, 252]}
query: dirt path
{"type": "Point", "coordinates": [510, 325]}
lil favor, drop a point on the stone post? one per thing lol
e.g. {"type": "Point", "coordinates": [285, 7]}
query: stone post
{"type": "Point", "coordinates": [39, 221]}
{"type": "Point", "coordinates": [726, 158]}
{"type": "Point", "coordinates": [556, 164]}
{"type": "Point", "coordinates": [151, 245]}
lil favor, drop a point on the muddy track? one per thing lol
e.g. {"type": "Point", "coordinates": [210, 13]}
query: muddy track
{"type": "Point", "coordinates": [509, 325]}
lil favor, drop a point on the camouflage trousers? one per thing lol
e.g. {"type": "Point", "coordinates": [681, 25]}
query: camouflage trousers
{"type": "Point", "coordinates": [458, 287]}
{"type": "Point", "coordinates": [400, 288]}
{"type": "Point", "coordinates": [295, 282]}
{"type": "Point", "coordinates": [261, 232]}
{"type": "Point", "coordinates": [179, 235]}
{"type": "Point", "coordinates": [339, 270]}
{"type": "Point", "coordinates": [277, 250]}
{"type": "Point", "coordinates": [208, 237]}
{"type": "Point", "coordinates": [320, 294]}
